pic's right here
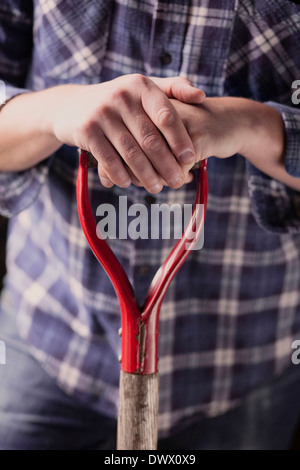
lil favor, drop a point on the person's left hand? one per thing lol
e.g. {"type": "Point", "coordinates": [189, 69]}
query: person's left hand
{"type": "Point", "coordinates": [218, 127]}
{"type": "Point", "coordinates": [224, 126]}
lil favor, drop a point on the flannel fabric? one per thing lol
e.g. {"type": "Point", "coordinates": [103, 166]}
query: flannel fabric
{"type": "Point", "coordinates": [233, 310]}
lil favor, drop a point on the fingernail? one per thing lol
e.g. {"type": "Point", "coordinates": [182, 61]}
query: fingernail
{"type": "Point", "coordinates": [177, 181]}
{"type": "Point", "coordinates": [105, 181]}
{"type": "Point", "coordinates": [126, 184]}
{"type": "Point", "coordinates": [187, 157]}
{"type": "Point", "coordinates": [156, 188]}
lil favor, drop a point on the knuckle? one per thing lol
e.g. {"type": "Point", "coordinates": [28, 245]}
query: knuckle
{"type": "Point", "coordinates": [130, 147]}
{"type": "Point", "coordinates": [165, 117]}
{"type": "Point", "coordinates": [131, 155]}
{"type": "Point", "coordinates": [122, 97]}
{"type": "Point", "coordinates": [114, 169]}
{"type": "Point", "coordinates": [184, 80]}
{"type": "Point", "coordinates": [144, 125]}
{"type": "Point", "coordinates": [152, 142]}
{"type": "Point", "coordinates": [104, 109]}
{"type": "Point", "coordinates": [139, 80]}
{"type": "Point", "coordinates": [109, 161]}
{"type": "Point", "coordinates": [171, 175]}
{"type": "Point", "coordinates": [89, 126]}
{"type": "Point", "coordinates": [126, 142]}
{"type": "Point", "coordinates": [86, 128]}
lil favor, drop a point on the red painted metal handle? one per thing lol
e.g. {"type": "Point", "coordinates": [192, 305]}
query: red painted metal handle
{"type": "Point", "coordinates": [140, 327]}
{"type": "Point", "coordinates": [130, 312]}
{"type": "Point", "coordinates": [170, 267]}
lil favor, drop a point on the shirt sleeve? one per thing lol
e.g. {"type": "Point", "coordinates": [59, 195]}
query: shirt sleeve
{"type": "Point", "coordinates": [276, 207]}
{"type": "Point", "coordinates": [17, 189]}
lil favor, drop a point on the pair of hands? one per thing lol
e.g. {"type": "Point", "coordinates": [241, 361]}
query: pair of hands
{"type": "Point", "coordinates": [149, 132]}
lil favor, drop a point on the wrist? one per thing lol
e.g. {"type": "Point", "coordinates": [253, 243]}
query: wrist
{"type": "Point", "coordinates": [59, 101]}
{"type": "Point", "coordinates": [264, 140]}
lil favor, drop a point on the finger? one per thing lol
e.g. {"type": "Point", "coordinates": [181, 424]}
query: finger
{"type": "Point", "coordinates": [163, 114]}
{"type": "Point", "coordinates": [105, 181]}
{"type": "Point", "coordinates": [136, 181]}
{"type": "Point", "coordinates": [110, 162]}
{"type": "Point", "coordinates": [189, 177]}
{"type": "Point", "coordinates": [180, 88]}
{"type": "Point", "coordinates": [132, 154]}
{"type": "Point", "coordinates": [155, 148]}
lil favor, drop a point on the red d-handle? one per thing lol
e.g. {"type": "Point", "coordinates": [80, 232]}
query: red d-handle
{"type": "Point", "coordinates": [140, 326]}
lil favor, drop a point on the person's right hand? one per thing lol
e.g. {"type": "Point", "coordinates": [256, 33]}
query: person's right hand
{"type": "Point", "coordinates": [131, 127]}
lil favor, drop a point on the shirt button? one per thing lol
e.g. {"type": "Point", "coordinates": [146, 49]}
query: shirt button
{"type": "Point", "coordinates": [150, 199]}
{"type": "Point", "coordinates": [165, 58]}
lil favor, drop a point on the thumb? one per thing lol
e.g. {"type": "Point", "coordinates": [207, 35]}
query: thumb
{"type": "Point", "coordinates": [181, 89]}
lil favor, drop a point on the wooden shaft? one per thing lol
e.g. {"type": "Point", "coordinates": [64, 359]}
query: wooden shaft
{"type": "Point", "coordinates": [138, 410]}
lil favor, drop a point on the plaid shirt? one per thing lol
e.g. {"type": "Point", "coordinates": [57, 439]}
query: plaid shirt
{"type": "Point", "coordinates": [233, 310]}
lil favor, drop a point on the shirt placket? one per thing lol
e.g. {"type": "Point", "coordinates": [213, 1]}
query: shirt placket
{"type": "Point", "coordinates": [167, 38]}
{"type": "Point", "coordinates": [207, 43]}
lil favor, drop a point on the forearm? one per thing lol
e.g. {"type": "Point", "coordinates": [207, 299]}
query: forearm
{"type": "Point", "coordinates": [125, 123]}
{"type": "Point", "coordinates": [26, 136]}
{"type": "Point", "coordinates": [265, 146]}
{"type": "Point", "coordinates": [225, 126]}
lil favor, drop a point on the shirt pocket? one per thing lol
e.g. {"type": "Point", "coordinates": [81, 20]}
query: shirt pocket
{"type": "Point", "coordinates": [70, 40]}
{"type": "Point", "coordinates": [269, 9]}
{"type": "Point", "coordinates": [280, 10]}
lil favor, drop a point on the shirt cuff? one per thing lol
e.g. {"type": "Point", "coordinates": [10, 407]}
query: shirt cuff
{"type": "Point", "coordinates": [12, 91]}
{"type": "Point", "coordinates": [275, 206]}
{"type": "Point", "coordinates": [18, 190]}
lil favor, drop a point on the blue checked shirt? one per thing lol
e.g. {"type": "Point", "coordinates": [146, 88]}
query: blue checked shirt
{"type": "Point", "coordinates": [231, 314]}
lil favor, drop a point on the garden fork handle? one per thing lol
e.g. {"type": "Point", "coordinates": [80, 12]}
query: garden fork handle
{"type": "Point", "coordinates": [139, 381]}
{"type": "Point", "coordinates": [138, 411]}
